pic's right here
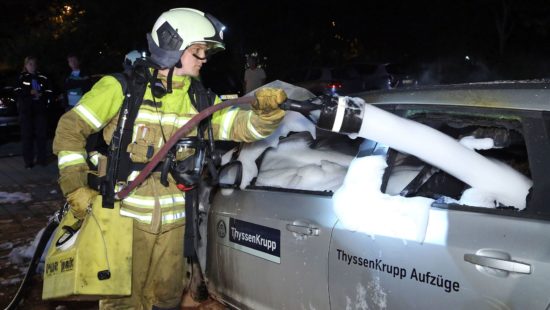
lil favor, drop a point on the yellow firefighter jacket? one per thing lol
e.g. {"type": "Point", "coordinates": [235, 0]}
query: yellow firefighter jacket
{"type": "Point", "coordinates": [154, 207]}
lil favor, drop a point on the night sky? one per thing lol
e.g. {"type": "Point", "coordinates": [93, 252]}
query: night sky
{"type": "Point", "coordinates": [507, 37]}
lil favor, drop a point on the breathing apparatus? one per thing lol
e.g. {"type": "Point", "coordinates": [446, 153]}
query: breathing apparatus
{"type": "Point", "coordinates": [131, 57]}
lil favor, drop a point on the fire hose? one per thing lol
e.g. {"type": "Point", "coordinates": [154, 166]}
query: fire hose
{"type": "Point", "coordinates": [159, 156]}
{"type": "Point", "coordinates": [299, 106]}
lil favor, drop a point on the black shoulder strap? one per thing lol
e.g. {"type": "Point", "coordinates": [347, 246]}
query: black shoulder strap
{"type": "Point", "coordinates": [123, 80]}
{"type": "Point", "coordinates": [133, 100]}
{"type": "Point", "coordinates": [118, 167]}
{"type": "Point", "coordinates": [201, 98]}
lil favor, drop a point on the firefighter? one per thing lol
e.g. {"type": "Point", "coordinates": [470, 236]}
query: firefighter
{"type": "Point", "coordinates": [179, 44]}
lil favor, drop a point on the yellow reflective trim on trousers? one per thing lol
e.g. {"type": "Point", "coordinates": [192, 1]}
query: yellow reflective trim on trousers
{"type": "Point", "coordinates": [227, 123]}
{"type": "Point", "coordinates": [149, 201]}
{"type": "Point", "coordinates": [251, 128]}
{"type": "Point", "coordinates": [68, 158]}
{"type": "Point", "coordinates": [167, 218]}
{"type": "Point", "coordinates": [88, 116]}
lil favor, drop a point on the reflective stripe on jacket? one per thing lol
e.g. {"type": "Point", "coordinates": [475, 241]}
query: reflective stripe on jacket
{"type": "Point", "coordinates": [155, 207]}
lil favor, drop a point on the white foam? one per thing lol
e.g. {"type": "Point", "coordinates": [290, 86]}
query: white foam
{"type": "Point", "coordinates": [474, 143]}
{"type": "Point", "coordinates": [14, 197]}
{"type": "Point", "coordinates": [361, 206]}
{"type": "Point", "coordinates": [293, 164]}
{"type": "Point", "coordinates": [292, 122]}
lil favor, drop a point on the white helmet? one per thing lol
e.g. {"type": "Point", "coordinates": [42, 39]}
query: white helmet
{"type": "Point", "coordinates": [177, 29]}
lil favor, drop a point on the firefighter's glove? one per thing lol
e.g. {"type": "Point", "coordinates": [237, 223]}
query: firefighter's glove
{"type": "Point", "coordinates": [80, 200]}
{"type": "Point", "coordinates": [267, 102]}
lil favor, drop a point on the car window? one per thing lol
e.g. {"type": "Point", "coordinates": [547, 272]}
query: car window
{"type": "Point", "coordinates": [498, 137]}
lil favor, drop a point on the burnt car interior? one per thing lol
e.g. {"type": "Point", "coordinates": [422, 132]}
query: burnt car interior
{"type": "Point", "coordinates": [509, 148]}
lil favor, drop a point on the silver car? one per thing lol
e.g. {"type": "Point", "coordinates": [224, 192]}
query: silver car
{"type": "Point", "coordinates": [280, 241]}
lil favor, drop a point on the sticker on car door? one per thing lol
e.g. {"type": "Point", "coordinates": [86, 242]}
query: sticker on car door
{"type": "Point", "coordinates": [398, 272]}
{"type": "Point", "coordinates": [254, 239]}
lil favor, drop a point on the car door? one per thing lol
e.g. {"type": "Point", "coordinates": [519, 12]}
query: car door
{"type": "Point", "coordinates": [471, 257]}
{"type": "Point", "coordinates": [270, 249]}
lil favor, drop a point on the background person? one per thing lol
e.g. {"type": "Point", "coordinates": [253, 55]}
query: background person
{"type": "Point", "coordinates": [77, 82]}
{"type": "Point", "coordinates": [254, 76]}
{"type": "Point", "coordinates": [33, 92]}
{"type": "Point", "coordinates": [179, 44]}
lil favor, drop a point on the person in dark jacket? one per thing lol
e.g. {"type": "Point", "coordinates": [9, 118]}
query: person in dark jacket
{"type": "Point", "coordinates": [76, 83]}
{"type": "Point", "coordinates": [33, 92]}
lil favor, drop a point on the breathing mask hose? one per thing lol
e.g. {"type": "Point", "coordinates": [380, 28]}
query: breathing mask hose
{"type": "Point", "coordinates": [194, 122]}
{"type": "Point", "coordinates": [48, 231]}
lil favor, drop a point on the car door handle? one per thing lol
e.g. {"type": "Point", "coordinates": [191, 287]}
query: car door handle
{"type": "Point", "coordinates": [497, 263]}
{"type": "Point", "coordinates": [303, 229]}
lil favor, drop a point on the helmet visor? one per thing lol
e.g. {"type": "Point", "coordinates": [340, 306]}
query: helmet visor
{"type": "Point", "coordinates": [162, 57]}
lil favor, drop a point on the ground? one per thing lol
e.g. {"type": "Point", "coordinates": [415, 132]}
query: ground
{"type": "Point", "coordinates": [19, 224]}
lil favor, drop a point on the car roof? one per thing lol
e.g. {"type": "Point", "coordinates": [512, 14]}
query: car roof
{"type": "Point", "coordinates": [520, 95]}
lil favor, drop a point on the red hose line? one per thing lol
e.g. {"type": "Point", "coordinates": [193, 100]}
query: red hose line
{"type": "Point", "coordinates": [192, 123]}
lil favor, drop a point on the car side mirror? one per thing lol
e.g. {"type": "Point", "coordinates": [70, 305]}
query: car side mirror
{"type": "Point", "coordinates": [231, 174]}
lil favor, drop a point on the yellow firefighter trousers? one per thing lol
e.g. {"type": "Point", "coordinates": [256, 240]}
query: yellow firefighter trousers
{"type": "Point", "coordinates": [158, 271]}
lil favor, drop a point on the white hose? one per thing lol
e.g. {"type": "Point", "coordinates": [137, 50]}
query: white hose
{"type": "Point", "coordinates": [507, 185]}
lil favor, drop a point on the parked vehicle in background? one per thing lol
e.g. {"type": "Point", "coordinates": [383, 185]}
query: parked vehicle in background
{"type": "Point", "coordinates": [454, 70]}
{"type": "Point", "coordinates": [284, 245]}
{"type": "Point", "coordinates": [384, 75]}
{"type": "Point", "coordinates": [326, 80]}
{"type": "Point", "coordinates": [353, 78]}
{"type": "Point", "coordinates": [8, 107]}
{"type": "Point", "coordinates": [373, 76]}
{"type": "Point", "coordinates": [402, 74]}
{"type": "Point", "coordinates": [9, 116]}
